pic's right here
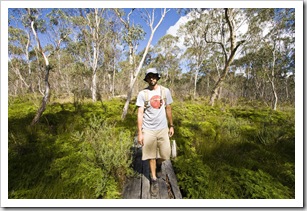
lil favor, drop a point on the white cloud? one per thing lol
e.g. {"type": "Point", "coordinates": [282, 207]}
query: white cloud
{"type": "Point", "coordinates": [182, 20]}
{"type": "Point", "coordinates": [174, 29]}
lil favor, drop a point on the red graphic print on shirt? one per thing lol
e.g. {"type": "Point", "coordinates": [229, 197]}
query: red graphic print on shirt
{"type": "Point", "coordinates": [155, 101]}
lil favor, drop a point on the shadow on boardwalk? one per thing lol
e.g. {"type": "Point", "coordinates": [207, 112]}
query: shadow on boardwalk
{"type": "Point", "coordinates": [139, 186]}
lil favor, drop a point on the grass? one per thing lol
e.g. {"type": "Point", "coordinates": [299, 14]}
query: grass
{"type": "Point", "coordinates": [83, 150]}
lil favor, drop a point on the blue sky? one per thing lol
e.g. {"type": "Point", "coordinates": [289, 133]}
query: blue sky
{"type": "Point", "coordinates": [170, 19]}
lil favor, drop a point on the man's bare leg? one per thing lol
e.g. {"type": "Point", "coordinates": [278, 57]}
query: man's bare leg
{"type": "Point", "coordinates": [152, 166]}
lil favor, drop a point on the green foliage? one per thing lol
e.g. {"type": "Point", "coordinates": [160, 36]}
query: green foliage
{"type": "Point", "coordinates": [241, 153]}
{"type": "Point", "coordinates": [242, 183]}
{"type": "Point", "coordinates": [82, 150]}
{"type": "Point", "coordinates": [194, 183]}
{"type": "Point", "coordinates": [72, 153]}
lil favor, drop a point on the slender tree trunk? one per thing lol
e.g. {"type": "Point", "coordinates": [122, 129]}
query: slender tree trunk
{"type": "Point", "coordinates": [234, 45]}
{"type": "Point", "coordinates": [219, 93]}
{"type": "Point", "coordinates": [195, 82]}
{"type": "Point", "coordinates": [196, 75]}
{"type": "Point", "coordinates": [218, 84]}
{"type": "Point", "coordinates": [287, 91]}
{"type": "Point", "coordinates": [27, 53]}
{"type": "Point", "coordinates": [94, 68]}
{"type": "Point", "coordinates": [275, 96]}
{"type": "Point", "coordinates": [47, 69]}
{"type": "Point", "coordinates": [29, 63]}
{"type": "Point", "coordinates": [131, 61]}
{"type": "Point", "coordinates": [272, 81]}
{"type": "Point", "coordinates": [94, 87]}
{"type": "Point", "coordinates": [94, 43]}
{"type": "Point", "coordinates": [113, 78]}
{"type": "Point", "coordinates": [136, 72]}
{"type": "Point", "coordinates": [45, 98]}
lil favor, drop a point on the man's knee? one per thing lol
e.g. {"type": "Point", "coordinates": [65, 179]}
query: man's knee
{"type": "Point", "coordinates": [160, 160]}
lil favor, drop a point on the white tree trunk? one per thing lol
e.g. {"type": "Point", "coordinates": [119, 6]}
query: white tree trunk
{"type": "Point", "coordinates": [136, 73]}
{"type": "Point", "coordinates": [131, 61]}
{"type": "Point", "coordinates": [47, 86]}
{"type": "Point", "coordinates": [195, 81]}
{"type": "Point", "coordinates": [113, 78]}
{"type": "Point", "coordinates": [272, 81]}
{"type": "Point", "coordinates": [94, 87]}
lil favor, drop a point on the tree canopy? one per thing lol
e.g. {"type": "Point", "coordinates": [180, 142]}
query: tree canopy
{"type": "Point", "coordinates": [90, 53]}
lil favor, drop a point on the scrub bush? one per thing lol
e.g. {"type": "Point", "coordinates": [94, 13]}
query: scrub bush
{"type": "Point", "coordinates": [238, 152]}
{"type": "Point", "coordinates": [72, 153]}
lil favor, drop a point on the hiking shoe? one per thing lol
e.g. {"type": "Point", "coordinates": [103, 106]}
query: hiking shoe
{"type": "Point", "coordinates": [154, 188]}
{"type": "Point", "coordinates": [159, 170]}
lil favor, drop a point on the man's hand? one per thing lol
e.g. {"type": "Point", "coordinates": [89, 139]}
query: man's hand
{"type": "Point", "coordinates": [171, 131]}
{"type": "Point", "coordinates": [141, 139]}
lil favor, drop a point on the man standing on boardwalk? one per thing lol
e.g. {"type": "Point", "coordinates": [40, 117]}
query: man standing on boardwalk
{"type": "Point", "coordinates": [155, 125]}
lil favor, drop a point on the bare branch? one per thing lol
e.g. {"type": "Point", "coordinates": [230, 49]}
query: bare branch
{"type": "Point", "coordinates": [161, 19]}
{"type": "Point", "coordinates": [219, 43]}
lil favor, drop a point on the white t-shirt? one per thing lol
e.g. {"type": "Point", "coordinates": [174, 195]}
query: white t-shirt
{"type": "Point", "coordinates": [154, 115]}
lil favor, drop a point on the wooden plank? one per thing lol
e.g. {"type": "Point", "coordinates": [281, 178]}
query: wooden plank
{"type": "Point", "coordinates": [162, 184]}
{"type": "Point", "coordinates": [172, 179]}
{"type": "Point", "coordinates": [133, 188]}
{"type": "Point", "coordinates": [139, 186]}
{"type": "Point", "coordinates": [145, 180]}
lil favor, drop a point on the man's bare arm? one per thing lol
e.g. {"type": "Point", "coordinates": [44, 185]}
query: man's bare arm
{"type": "Point", "coordinates": [139, 124]}
{"type": "Point", "coordinates": [170, 119]}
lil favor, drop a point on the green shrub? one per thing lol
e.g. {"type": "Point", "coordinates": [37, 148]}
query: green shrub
{"type": "Point", "coordinates": [193, 176]}
{"type": "Point", "coordinates": [82, 150]}
{"type": "Point", "coordinates": [71, 153]}
{"type": "Point", "coordinates": [229, 182]}
{"type": "Point", "coordinates": [240, 152]}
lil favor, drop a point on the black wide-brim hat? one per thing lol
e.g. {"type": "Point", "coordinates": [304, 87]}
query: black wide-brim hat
{"type": "Point", "coordinates": [153, 71]}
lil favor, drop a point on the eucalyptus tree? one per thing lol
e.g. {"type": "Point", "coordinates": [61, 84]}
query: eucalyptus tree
{"type": "Point", "coordinates": [196, 51]}
{"type": "Point", "coordinates": [168, 58]}
{"type": "Point", "coordinates": [112, 54]}
{"type": "Point", "coordinates": [268, 56]}
{"type": "Point", "coordinates": [59, 31]}
{"type": "Point", "coordinates": [20, 50]}
{"type": "Point", "coordinates": [91, 29]}
{"type": "Point", "coordinates": [221, 30]}
{"type": "Point", "coordinates": [149, 17]}
{"type": "Point", "coordinates": [279, 38]}
{"type": "Point", "coordinates": [36, 22]}
{"type": "Point", "coordinates": [18, 54]}
{"type": "Point", "coordinates": [248, 64]}
{"type": "Point", "coordinates": [131, 35]}
{"type": "Point", "coordinates": [211, 71]}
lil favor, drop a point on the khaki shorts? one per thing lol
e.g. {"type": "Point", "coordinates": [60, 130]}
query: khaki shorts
{"type": "Point", "coordinates": [156, 144]}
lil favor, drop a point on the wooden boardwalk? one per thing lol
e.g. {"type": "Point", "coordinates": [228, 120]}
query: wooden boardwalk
{"type": "Point", "coordinates": [139, 186]}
